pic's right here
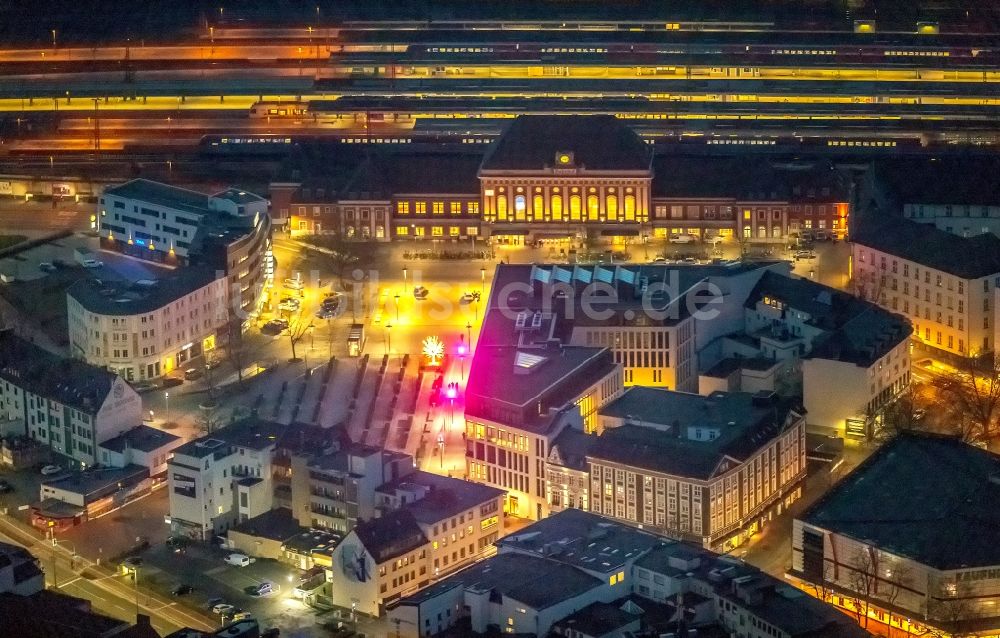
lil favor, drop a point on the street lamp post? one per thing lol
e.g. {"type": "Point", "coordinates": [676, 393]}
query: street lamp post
{"type": "Point", "coordinates": [405, 271]}
{"type": "Point", "coordinates": [388, 338]}
{"type": "Point", "coordinates": [482, 276]}
{"type": "Point", "coordinates": [441, 448]}
{"type": "Point", "coordinates": [468, 334]}
{"type": "Point", "coordinates": [166, 398]}
{"type": "Point", "coordinates": [397, 307]}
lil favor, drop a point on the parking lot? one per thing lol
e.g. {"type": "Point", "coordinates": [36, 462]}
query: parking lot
{"type": "Point", "coordinates": [205, 569]}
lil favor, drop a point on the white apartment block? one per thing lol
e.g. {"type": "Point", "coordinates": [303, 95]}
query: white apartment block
{"type": "Point", "coordinates": [228, 232]}
{"type": "Point", "coordinates": [66, 404]}
{"type": "Point", "coordinates": [149, 328]}
{"type": "Point", "coordinates": [944, 284]}
{"type": "Point", "coordinates": [223, 479]}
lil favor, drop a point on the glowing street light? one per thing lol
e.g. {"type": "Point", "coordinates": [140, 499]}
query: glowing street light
{"type": "Point", "coordinates": [461, 354]}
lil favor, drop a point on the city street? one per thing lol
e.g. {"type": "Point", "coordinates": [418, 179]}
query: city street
{"type": "Point", "coordinates": [109, 591]}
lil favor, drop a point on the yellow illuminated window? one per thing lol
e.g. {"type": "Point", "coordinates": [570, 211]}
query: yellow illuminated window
{"type": "Point", "coordinates": [420, 231]}
{"type": "Point", "coordinates": [421, 208]}
{"type": "Point", "coordinates": [593, 207]}
{"type": "Point", "coordinates": [456, 208]}
{"type": "Point", "coordinates": [574, 208]}
{"type": "Point", "coordinates": [502, 208]}
{"type": "Point", "coordinates": [438, 208]}
{"type": "Point", "coordinates": [454, 231]}
{"type": "Point", "coordinates": [403, 208]}
{"type": "Point", "coordinates": [520, 205]}
{"type": "Point", "coordinates": [537, 206]}
{"type": "Point", "coordinates": [630, 208]}
{"type": "Point", "coordinates": [746, 215]}
{"type": "Point", "coordinates": [437, 231]}
{"type": "Point", "coordinates": [621, 577]}
{"type": "Point", "coordinates": [473, 208]}
{"type": "Point", "coordinates": [611, 203]}
{"type": "Point", "coordinates": [613, 580]}
{"type": "Point", "coordinates": [557, 208]}
{"type": "Point", "coordinates": [402, 230]}
{"type": "Point", "coordinates": [471, 231]}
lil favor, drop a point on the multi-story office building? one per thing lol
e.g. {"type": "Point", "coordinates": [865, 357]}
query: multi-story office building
{"type": "Point", "coordinates": [711, 470]}
{"type": "Point", "coordinates": [149, 328]}
{"type": "Point", "coordinates": [943, 283]}
{"type": "Point", "coordinates": [229, 231]}
{"type": "Point", "coordinates": [519, 398]}
{"type": "Point", "coordinates": [644, 314]}
{"type": "Point", "coordinates": [337, 488]}
{"type": "Point", "coordinates": [429, 526]}
{"type": "Point", "coordinates": [67, 404]}
{"type": "Point", "coordinates": [223, 479]}
{"type": "Point", "coordinates": [850, 357]}
{"type": "Point", "coordinates": [908, 540]}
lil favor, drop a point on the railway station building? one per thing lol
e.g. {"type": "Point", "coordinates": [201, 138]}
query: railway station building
{"type": "Point", "coordinates": [564, 179]}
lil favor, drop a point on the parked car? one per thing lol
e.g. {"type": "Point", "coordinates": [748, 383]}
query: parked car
{"type": "Point", "coordinates": [223, 609]}
{"type": "Point", "coordinates": [50, 470]}
{"type": "Point", "coordinates": [242, 615]}
{"type": "Point", "coordinates": [177, 544]}
{"type": "Point", "coordinates": [466, 299]}
{"type": "Point", "coordinates": [5, 487]}
{"type": "Point", "coordinates": [289, 304]}
{"type": "Point", "coordinates": [181, 590]}
{"type": "Point", "coordinates": [659, 260]}
{"type": "Point", "coordinates": [420, 292]}
{"type": "Point", "coordinates": [294, 284]}
{"type": "Point", "coordinates": [239, 560]}
{"type": "Point", "coordinates": [260, 589]}
{"type": "Point", "coordinates": [192, 374]}
{"type": "Point", "coordinates": [682, 238]}
{"type": "Point", "coordinates": [92, 263]}
{"type": "Point", "coordinates": [805, 254]}
{"type": "Point", "coordinates": [714, 239]}
{"type": "Point", "coordinates": [274, 327]}
{"type": "Point", "coordinates": [46, 267]}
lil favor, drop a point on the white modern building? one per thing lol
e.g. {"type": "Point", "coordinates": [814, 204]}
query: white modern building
{"type": "Point", "coordinates": [229, 232]}
{"type": "Point", "coordinates": [67, 404]}
{"type": "Point", "coordinates": [223, 479]}
{"type": "Point", "coordinates": [850, 357]}
{"type": "Point", "coordinates": [943, 283]}
{"type": "Point", "coordinates": [148, 328]}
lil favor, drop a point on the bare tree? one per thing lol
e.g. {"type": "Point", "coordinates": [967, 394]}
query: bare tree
{"type": "Point", "coordinates": [900, 415]}
{"type": "Point", "coordinates": [209, 417]}
{"type": "Point", "coordinates": [874, 578]}
{"type": "Point", "coordinates": [944, 611]}
{"type": "Point", "coordinates": [971, 397]}
{"type": "Point", "coordinates": [240, 346]}
{"type": "Point", "coordinates": [297, 329]}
